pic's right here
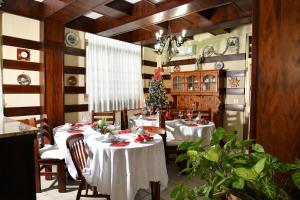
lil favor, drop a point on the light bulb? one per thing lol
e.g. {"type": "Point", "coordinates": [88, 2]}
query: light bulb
{"type": "Point", "coordinates": [179, 38]}
{"type": "Point", "coordinates": [161, 32]}
{"type": "Point", "coordinates": [157, 35]}
{"type": "Point", "coordinates": [183, 33]}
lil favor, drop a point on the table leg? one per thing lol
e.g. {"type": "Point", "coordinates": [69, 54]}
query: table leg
{"type": "Point", "coordinates": [155, 190]}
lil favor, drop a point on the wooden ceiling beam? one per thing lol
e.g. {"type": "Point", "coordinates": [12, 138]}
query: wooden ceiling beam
{"type": "Point", "coordinates": [82, 23]}
{"type": "Point", "coordinates": [110, 12]}
{"type": "Point", "coordinates": [146, 14]}
{"type": "Point", "coordinates": [147, 38]}
{"type": "Point", "coordinates": [72, 9]}
{"type": "Point", "coordinates": [122, 6]}
{"type": "Point", "coordinates": [26, 8]}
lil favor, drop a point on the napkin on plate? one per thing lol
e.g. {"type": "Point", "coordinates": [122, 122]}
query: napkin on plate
{"type": "Point", "coordinates": [124, 131]}
{"type": "Point", "coordinates": [75, 131]}
{"type": "Point", "coordinates": [119, 144]}
{"type": "Point", "coordinates": [78, 124]}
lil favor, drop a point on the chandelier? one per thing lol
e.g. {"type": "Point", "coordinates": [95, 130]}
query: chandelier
{"type": "Point", "coordinates": [167, 45]}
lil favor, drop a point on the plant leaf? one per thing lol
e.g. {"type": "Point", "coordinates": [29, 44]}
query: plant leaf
{"type": "Point", "coordinates": [238, 183]}
{"type": "Point", "coordinates": [258, 148]}
{"type": "Point", "coordinates": [259, 166]}
{"type": "Point", "coordinates": [247, 174]}
{"type": "Point", "coordinates": [296, 179]}
{"type": "Point", "coordinates": [181, 157]}
{"type": "Point", "coordinates": [213, 153]}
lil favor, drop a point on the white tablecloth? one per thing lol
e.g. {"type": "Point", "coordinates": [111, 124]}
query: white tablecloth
{"type": "Point", "coordinates": [119, 171]}
{"type": "Point", "coordinates": [144, 121]}
{"type": "Point", "coordinates": [178, 131]}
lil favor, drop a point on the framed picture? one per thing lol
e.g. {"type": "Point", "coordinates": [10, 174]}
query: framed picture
{"type": "Point", "coordinates": [23, 54]}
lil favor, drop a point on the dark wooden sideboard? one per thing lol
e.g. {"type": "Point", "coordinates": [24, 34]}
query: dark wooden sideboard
{"type": "Point", "coordinates": [17, 177]}
{"type": "Point", "coordinates": [199, 90]}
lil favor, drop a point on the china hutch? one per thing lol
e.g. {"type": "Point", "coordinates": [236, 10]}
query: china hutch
{"type": "Point", "coordinates": [199, 90]}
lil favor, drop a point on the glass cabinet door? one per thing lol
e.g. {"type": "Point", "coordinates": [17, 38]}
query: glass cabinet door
{"type": "Point", "coordinates": [192, 83]}
{"type": "Point", "coordinates": [178, 83]}
{"type": "Point", "coordinates": [209, 83]}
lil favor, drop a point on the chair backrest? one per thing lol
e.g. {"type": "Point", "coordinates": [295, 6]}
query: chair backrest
{"type": "Point", "coordinates": [124, 119]}
{"type": "Point", "coordinates": [45, 131]}
{"type": "Point", "coordinates": [78, 152]}
{"type": "Point", "coordinates": [174, 113]}
{"type": "Point", "coordinates": [110, 116]}
{"type": "Point", "coordinates": [205, 114]}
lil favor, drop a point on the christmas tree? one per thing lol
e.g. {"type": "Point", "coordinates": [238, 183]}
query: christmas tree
{"type": "Point", "coordinates": [157, 93]}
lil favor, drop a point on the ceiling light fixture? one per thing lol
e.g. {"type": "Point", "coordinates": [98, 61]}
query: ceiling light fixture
{"type": "Point", "coordinates": [167, 45]}
{"type": "Point", "coordinates": [93, 15]}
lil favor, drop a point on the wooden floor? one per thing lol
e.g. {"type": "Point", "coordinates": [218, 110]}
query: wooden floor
{"type": "Point", "coordinates": [50, 191]}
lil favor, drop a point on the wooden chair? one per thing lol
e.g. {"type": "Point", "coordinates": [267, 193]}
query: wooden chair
{"type": "Point", "coordinates": [47, 155]}
{"type": "Point", "coordinates": [124, 119]}
{"type": "Point", "coordinates": [205, 114]}
{"type": "Point", "coordinates": [79, 155]}
{"type": "Point", "coordinates": [110, 116]}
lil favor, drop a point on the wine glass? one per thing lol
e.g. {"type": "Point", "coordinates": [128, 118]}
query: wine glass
{"type": "Point", "coordinates": [150, 109]}
{"type": "Point", "coordinates": [189, 114]}
{"type": "Point", "coordinates": [117, 125]}
{"type": "Point", "coordinates": [180, 114]}
{"type": "Point", "coordinates": [85, 118]}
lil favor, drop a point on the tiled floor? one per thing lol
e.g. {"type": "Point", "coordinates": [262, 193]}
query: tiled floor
{"type": "Point", "coordinates": [50, 192]}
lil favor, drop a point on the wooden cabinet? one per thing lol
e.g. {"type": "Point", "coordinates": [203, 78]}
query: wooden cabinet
{"type": "Point", "coordinates": [199, 90]}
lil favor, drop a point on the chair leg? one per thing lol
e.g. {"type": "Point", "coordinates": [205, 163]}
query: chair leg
{"type": "Point", "coordinates": [61, 177]}
{"type": "Point", "coordinates": [82, 183]}
{"type": "Point", "coordinates": [155, 190]}
{"type": "Point", "coordinates": [48, 168]}
{"type": "Point", "coordinates": [37, 180]}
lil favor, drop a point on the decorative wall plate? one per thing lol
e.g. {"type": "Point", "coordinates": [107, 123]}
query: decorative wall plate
{"type": "Point", "coordinates": [24, 79]}
{"type": "Point", "coordinates": [72, 80]}
{"type": "Point", "coordinates": [23, 54]}
{"type": "Point", "coordinates": [72, 39]}
{"type": "Point", "coordinates": [219, 65]}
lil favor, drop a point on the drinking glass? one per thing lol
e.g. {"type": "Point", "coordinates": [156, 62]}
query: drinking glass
{"type": "Point", "coordinates": [180, 114]}
{"type": "Point", "coordinates": [85, 118]}
{"type": "Point", "coordinates": [189, 114]}
{"type": "Point", "coordinates": [150, 109]}
{"type": "Point", "coordinates": [117, 125]}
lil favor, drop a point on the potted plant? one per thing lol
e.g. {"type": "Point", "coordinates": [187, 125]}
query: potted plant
{"type": "Point", "coordinates": [229, 168]}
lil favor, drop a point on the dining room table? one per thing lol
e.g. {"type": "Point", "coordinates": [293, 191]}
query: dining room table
{"type": "Point", "coordinates": [180, 130]}
{"type": "Point", "coordinates": [120, 166]}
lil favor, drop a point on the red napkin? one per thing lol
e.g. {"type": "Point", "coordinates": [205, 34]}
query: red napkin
{"type": "Point", "coordinates": [78, 124]}
{"type": "Point", "coordinates": [75, 131]}
{"type": "Point", "coordinates": [124, 131]}
{"type": "Point", "coordinates": [119, 144]}
{"type": "Point", "coordinates": [142, 138]}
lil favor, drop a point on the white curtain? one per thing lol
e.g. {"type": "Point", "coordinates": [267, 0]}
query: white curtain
{"type": "Point", "coordinates": [114, 77]}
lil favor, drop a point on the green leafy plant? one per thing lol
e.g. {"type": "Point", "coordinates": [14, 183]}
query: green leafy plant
{"type": "Point", "coordinates": [102, 126]}
{"type": "Point", "coordinates": [228, 167]}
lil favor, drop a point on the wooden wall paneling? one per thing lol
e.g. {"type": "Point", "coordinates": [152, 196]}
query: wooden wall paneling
{"type": "Point", "coordinates": [231, 57]}
{"type": "Point", "coordinates": [26, 8]}
{"type": "Point", "coordinates": [42, 71]}
{"type": "Point", "coordinates": [21, 65]}
{"type": "Point", "coordinates": [76, 108]}
{"type": "Point", "coordinates": [21, 89]}
{"type": "Point", "coordinates": [75, 51]}
{"type": "Point", "coordinates": [18, 42]}
{"type": "Point", "coordinates": [149, 63]}
{"type": "Point", "coordinates": [74, 90]}
{"type": "Point", "coordinates": [54, 72]}
{"type": "Point", "coordinates": [277, 111]}
{"type": "Point", "coordinates": [235, 107]}
{"type": "Point", "coordinates": [22, 111]}
{"type": "Point", "coordinates": [74, 70]}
